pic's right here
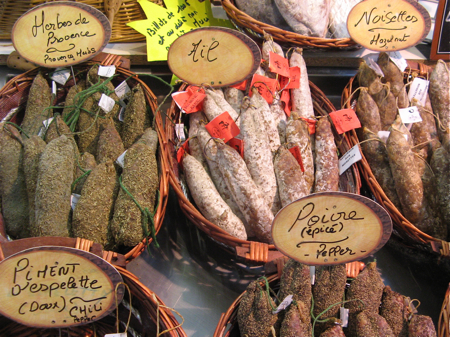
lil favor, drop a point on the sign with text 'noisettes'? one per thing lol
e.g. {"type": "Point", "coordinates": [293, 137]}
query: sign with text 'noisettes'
{"type": "Point", "coordinates": [59, 34]}
{"type": "Point", "coordinates": [56, 287]}
{"type": "Point", "coordinates": [331, 228]}
{"type": "Point", "coordinates": [385, 25]}
{"type": "Point", "coordinates": [165, 24]}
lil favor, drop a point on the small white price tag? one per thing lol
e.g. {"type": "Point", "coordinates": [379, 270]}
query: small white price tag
{"type": "Point", "coordinates": [106, 71]}
{"type": "Point", "coordinates": [179, 130]}
{"type": "Point", "coordinates": [120, 160]}
{"type": "Point", "coordinates": [384, 135]}
{"type": "Point", "coordinates": [53, 88]}
{"type": "Point", "coordinates": [61, 75]}
{"type": "Point", "coordinates": [121, 114]}
{"type": "Point", "coordinates": [122, 89]}
{"type": "Point", "coordinates": [74, 200]}
{"type": "Point", "coordinates": [312, 274]}
{"type": "Point", "coordinates": [349, 158]}
{"type": "Point", "coordinates": [418, 90]}
{"type": "Point", "coordinates": [106, 103]}
{"type": "Point", "coordinates": [47, 122]}
{"type": "Point", "coordinates": [371, 61]}
{"type": "Point", "coordinates": [120, 334]}
{"type": "Point", "coordinates": [343, 315]}
{"type": "Point", "coordinates": [283, 305]}
{"type": "Point", "coordinates": [398, 59]}
{"type": "Point", "coordinates": [410, 115]}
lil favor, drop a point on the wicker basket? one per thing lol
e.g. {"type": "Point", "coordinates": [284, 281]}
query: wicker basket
{"type": "Point", "coordinates": [444, 318]}
{"type": "Point", "coordinates": [148, 312]}
{"type": "Point", "coordinates": [129, 11]}
{"type": "Point", "coordinates": [228, 323]}
{"type": "Point", "coordinates": [256, 29]}
{"type": "Point", "coordinates": [252, 252]}
{"type": "Point", "coordinates": [407, 232]}
{"type": "Point", "coordinates": [13, 98]}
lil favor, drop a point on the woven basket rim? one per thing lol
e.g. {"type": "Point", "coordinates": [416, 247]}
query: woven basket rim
{"type": "Point", "coordinates": [25, 79]}
{"type": "Point", "coordinates": [321, 103]}
{"type": "Point", "coordinates": [399, 220]}
{"type": "Point", "coordinates": [258, 28]}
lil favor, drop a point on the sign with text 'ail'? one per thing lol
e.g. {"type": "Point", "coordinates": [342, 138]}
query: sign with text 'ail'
{"type": "Point", "coordinates": [213, 56]}
{"type": "Point", "coordinates": [385, 25]}
{"type": "Point", "coordinates": [56, 287]}
{"type": "Point", "coordinates": [331, 228]}
{"type": "Point", "coordinates": [60, 34]}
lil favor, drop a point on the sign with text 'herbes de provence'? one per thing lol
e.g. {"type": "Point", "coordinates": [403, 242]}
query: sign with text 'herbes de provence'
{"type": "Point", "coordinates": [385, 25]}
{"type": "Point", "coordinates": [165, 24]}
{"type": "Point", "coordinates": [59, 34]}
{"type": "Point", "coordinates": [57, 287]}
{"type": "Point", "coordinates": [214, 56]}
{"type": "Point", "coordinates": [331, 228]}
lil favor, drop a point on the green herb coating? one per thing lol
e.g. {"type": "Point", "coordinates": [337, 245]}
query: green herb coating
{"type": "Point", "coordinates": [53, 189]}
{"type": "Point", "coordinates": [32, 151]}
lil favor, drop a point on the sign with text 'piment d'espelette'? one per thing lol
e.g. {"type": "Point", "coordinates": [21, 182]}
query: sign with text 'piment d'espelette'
{"type": "Point", "coordinates": [61, 33]}
{"type": "Point", "coordinates": [386, 25]}
{"type": "Point", "coordinates": [56, 287]}
{"type": "Point", "coordinates": [214, 56]}
{"type": "Point", "coordinates": [331, 228]}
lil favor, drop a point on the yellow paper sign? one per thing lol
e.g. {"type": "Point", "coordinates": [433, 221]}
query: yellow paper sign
{"type": "Point", "coordinates": [165, 25]}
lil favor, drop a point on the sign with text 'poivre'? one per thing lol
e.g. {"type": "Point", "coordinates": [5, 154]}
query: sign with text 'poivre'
{"type": "Point", "coordinates": [331, 228]}
{"type": "Point", "coordinates": [61, 33]}
{"type": "Point", "coordinates": [55, 287]}
{"type": "Point", "coordinates": [213, 56]}
{"type": "Point", "coordinates": [385, 25]}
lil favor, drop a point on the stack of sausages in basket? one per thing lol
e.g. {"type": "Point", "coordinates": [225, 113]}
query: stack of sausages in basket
{"type": "Point", "coordinates": [406, 163]}
{"type": "Point", "coordinates": [245, 190]}
{"type": "Point", "coordinates": [55, 146]}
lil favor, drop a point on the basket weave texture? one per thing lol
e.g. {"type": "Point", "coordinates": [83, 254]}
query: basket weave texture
{"type": "Point", "coordinates": [14, 95]}
{"type": "Point", "coordinates": [403, 228]}
{"type": "Point", "coordinates": [147, 309]}
{"type": "Point", "coordinates": [252, 252]}
{"type": "Point", "coordinates": [255, 28]}
{"type": "Point", "coordinates": [128, 11]}
{"type": "Point", "coordinates": [228, 323]}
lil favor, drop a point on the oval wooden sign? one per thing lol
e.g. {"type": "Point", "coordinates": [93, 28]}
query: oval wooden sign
{"type": "Point", "coordinates": [61, 33]}
{"type": "Point", "coordinates": [385, 25]}
{"type": "Point", "coordinates": [213, 56]}
{"type": "Point", "coordinates": [56, 287]}
{"type": "Point", "coordinates": [331, 228]}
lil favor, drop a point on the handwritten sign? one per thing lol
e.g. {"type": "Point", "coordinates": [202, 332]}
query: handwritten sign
{"type": "Point", "coordinates": [331, 228]}
{"type": "Point", "coordinates": [164, 25]}
{"type": "Point", "coordinates": [57, 287]}
{"type": "Point", "coordinates": [345, 120]}
{"type": "Point", "coordinates": [58, 34]}
{"type": "Point", "coordinates": [384, 25]}
{"type": "Point", "coordinates": [214, 55]}
{"type": "Point", "coordinates": [223, 127]}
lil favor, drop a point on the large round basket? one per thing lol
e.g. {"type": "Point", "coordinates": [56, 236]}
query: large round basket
{"type": "Point", "coordinates": [406, 231]}
{"type": "Point", "coordinates": [141, 312]}
{"type": "Point", "coordinates": [251, 252]}
{"type": "Point", "coordinates": [444, 318]}
{"type": "Point", "coordinates": [228, 325]}
{"type": "Point", "coordinates": [119, 14]}
{"type": "Point", "coordinates": [257, 29]}
{"type": "Point", "coordinates": [13, 99]}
